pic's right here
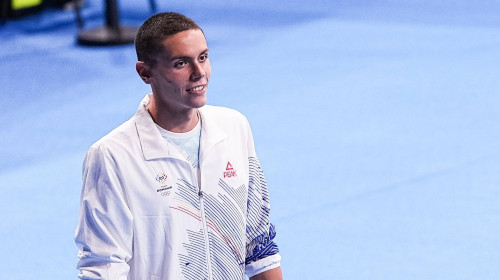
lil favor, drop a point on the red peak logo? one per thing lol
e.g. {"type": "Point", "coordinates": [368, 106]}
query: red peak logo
{"type": "Point", "coordinates": [230, 172]}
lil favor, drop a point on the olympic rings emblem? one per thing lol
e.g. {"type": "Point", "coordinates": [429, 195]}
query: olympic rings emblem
{"type": "Point", "coordinates": [165, 193]}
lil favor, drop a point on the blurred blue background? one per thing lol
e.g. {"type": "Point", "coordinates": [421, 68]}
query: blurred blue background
{"type": "Point", "coordinates": [376, 123]}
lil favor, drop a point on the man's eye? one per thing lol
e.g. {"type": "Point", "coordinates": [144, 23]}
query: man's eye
{"type": "Point", "coordinates": [179, 64]}
{"type": "Point", "coordinates": [203, 57]}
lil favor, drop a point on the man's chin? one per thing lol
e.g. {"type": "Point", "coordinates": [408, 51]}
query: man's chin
{"type": "Point", "coordinates": [199, 102]}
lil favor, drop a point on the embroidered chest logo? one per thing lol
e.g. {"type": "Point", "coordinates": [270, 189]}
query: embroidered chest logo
{"type": "Point", "coordinates": [162, 179]}
{"type": "Point", "coordinates": [230, 172]}
{"type": "Point", "coordinates": [164, 190]}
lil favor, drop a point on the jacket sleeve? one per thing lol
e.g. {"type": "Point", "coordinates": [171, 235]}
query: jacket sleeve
{"type": "Point", "coordinates": [262, 251]}
{"type": "Point", "coordinates": [104, 232]}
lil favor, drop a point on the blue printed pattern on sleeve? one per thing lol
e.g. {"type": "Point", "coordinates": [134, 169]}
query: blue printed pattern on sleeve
{"type": "Point", "coordinates": [265, 246]}
{"type": "Point", "coordinates": [259, 228]}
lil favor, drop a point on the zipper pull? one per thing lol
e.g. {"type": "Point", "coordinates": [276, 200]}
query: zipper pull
{"type": "Point", "coordinates": [200, 193]}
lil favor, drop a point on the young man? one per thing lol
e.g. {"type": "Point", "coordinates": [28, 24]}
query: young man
{"type": "Point", "coordinates": [177, 191]}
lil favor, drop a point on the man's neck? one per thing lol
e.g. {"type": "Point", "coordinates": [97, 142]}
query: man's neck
{"type": "Point", "coordinates": [179, 121]}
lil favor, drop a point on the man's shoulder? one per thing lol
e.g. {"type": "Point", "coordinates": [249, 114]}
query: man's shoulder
{"type": "Point", "coordinates": [119, 137]}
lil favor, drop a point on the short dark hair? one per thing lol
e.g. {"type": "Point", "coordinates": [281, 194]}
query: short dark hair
{"type": "Point", "coordinates": [152, 33]}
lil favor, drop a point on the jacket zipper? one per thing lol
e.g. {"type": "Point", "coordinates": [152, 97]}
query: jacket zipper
{"type": "Point", "coordinates": [205, 234]}
{"type": "Point", "coordinates": [202, 208]}
{"type": "Point", "coordinates": [204, 224]}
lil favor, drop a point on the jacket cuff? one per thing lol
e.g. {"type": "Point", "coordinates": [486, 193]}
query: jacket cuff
{"type": "Point", "coordinates": [262, 265]}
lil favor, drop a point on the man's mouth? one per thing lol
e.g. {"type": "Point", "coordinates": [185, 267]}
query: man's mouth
{"type": "Point", "coordinates": [197, 88]}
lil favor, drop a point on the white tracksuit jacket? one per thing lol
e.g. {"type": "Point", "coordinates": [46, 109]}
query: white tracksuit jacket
{"type": "Point", "coordinates": [145, 216]}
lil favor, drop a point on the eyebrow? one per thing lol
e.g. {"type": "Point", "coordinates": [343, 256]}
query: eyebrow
{"type": "Point", "coordinates": [187, 57]}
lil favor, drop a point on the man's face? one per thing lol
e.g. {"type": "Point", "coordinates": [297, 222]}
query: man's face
{"type": "Point", "coordinates": [180, 77]}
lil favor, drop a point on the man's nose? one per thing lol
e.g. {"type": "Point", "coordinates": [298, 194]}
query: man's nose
{"type": "Point", "coordinates": [198, 71]}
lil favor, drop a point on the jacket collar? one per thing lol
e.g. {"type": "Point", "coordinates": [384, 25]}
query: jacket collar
{"type": "Point", "coordinates": [154, 146]}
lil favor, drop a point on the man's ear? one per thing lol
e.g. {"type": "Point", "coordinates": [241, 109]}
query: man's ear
{"type": "Point", "coordinates": [143, 71]}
